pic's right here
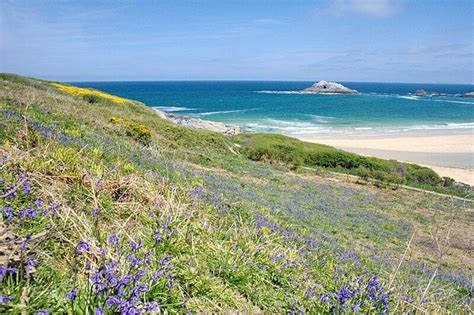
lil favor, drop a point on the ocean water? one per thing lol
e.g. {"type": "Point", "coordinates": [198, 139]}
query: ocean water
{"type": "Point", "coordinates": [268, 106]}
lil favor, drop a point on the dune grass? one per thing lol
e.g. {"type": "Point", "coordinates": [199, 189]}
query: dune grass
{"type": "Point", "coordinates": [94, 219]}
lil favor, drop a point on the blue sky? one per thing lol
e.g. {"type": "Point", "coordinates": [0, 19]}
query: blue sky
{"type": "Point", "coordinates": [342, 40]}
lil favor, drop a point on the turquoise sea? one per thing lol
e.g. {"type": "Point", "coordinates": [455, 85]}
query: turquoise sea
{"type": "Point", "coordinates": [380, 108]}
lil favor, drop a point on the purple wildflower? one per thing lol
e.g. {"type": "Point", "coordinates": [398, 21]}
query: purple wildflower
{"type": "Point", "coordinates": [83, 246]}
{"type": "Point", "coordinates": [135, 246]}
{"type": "Point", "coordinates": [5, 299]}
{"type": "Point", "coordinates": [157, 236]}
{"type": "Point", "coordinates": [344, 294]}
{"type": "Point", "coordinates": [9, 213]}
{"type": "Point", "coordinates": [42, 312]}
{"type": "Point", "coordinates": [4, 271]}
{"type": "Point", "coordinates": [30, 264]}
{"type": "Point", "coordinates": [113, 240]}
{"type": "Point", "coordinates": [72, 295]}
{"type": "Point", "coordinates": [112, 301]}
{"type": "Point", "coordinates": [38, 203]}
{"type": "Point", "coordinates": [156, 275]}
{"type": "Point", "coordinates": [151, 307]}
{"type": "Point", "coordinates": [95, 212]}
{"type": "Point", "coordinates": [23, 243]}
{"type": "Point", "coordinates": [26, 187]}
{"type": "Point", "coordinates": [99, 310]}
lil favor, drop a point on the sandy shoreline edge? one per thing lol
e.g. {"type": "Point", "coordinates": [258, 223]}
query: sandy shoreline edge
{"type": "Point", "coordinates": [448, 155]}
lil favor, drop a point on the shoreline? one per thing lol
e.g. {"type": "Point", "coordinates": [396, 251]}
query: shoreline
{"type": "Point", "coordinates": [449, 155]}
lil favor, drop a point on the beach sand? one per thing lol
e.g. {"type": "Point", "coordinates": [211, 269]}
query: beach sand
{"type": "Point", "coordinates": [449, 155]}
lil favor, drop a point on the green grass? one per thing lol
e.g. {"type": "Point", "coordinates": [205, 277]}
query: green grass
{"type": "Point", "coordinates": [224, 223]}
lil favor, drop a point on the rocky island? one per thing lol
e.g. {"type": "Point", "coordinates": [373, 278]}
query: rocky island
{"type": "Point", "coordinates": [470, 94]}
{"type": "Point", "coordinates": [325, 87]}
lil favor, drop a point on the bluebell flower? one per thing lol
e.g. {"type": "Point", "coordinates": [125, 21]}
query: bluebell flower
{"type": "Point", "coordinates": [5, 299]}
{"type": "Point", "coordinates": [38, 203]}
{"type": "Point", "coordinates": [72, 295]}
{"type": "Point", "coordinates": [8, 213]}
{"type": "Point", "coordinates": [42, 312]}
{"type": "Point", "coordinates": [135, 246]}
{"type": "Point", "coordinates": [23, 243]}
{"type": "Point", "coordinates": [30, 264]}
{"type": "Point", "coordinates": [151, 307]}
{"type": "Point", "coordinates": [113, 240]}
{"type": "Point", "coordinates": [5, 270]}
{"type": "Point", "coordinates": [83, 246]}
{"type": "Point", "coordinates": [112, 301]}
{"type": "Point", "coordinates": [99, 310]}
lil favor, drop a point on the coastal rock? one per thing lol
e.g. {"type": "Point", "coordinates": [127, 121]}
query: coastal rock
{"type": "Point", "coordinates": [470, 94]}
{"type": "Point", "coordinates": [197, 123]}
{"type": "Point", "coordinates": [428, 93]}
{"type": "Point", "coordinates": [330, 88]}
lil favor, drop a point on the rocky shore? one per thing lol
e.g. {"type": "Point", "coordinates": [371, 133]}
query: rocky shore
{"type": "Point", "coordinates": [197, 123]}
{"type": "Point", "coordinates": [325, 87]}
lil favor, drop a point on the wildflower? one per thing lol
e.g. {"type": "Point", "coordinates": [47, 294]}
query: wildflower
{"type": "Point", "coordinates": [23, 243]}
{"type": "Point", "coordinates": [148, 259]}
{"type": "Point", "coordinates": [99, 310]}
{"type": "Point", "coordinates": [101, 251]}
{"type": "Point", "coordinates": [54, 207]}
{"type": "Point", "coordinates": [95, 212]}
{"type": "Point", "coordinates": [134, 261]}
{"type": "Point", "coordinates": [9, 213]}
{"type": "Point", "coordinates": [112, 301]}
{"type": "Point", "coordinates": [72, 295]}
{"type": "Point", "coordinates": [343, 295]}
{"type": "Point", "coordinates": [5, 299]}
{"type": "Point", "coordinates": [156, 275]}
{"type": "Point", "coordinates": [113, 240]}
{"type": "Point", "coordinates": [38, 203]}
{"type": "Point", "coordinates": [157, 236]}
{"type": "Point", "coordinates": [42, 312]}
{"type": "Point", "coordinates": [30, 264]}
{"type": "Point", "coordinates": [151, 307]}
{"type": "Point", "coordinates": [5, 270]}
{"type": "Point", "coordinates": [26, 187]}
{"type": "Point", "coordinates": [83, 246]}
{"type": "Point", "coordinates": [135, 246]}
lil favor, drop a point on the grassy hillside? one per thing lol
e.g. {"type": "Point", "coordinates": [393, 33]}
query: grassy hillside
{"type": "Point", "coordinates": [107, 208]}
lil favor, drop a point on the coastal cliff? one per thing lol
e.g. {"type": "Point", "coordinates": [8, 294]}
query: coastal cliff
{"type": "Point", "coordinates": [329, 88]}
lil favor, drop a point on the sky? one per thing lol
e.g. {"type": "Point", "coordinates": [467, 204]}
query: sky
{"type": "Point", "coordinates": [342, 40]}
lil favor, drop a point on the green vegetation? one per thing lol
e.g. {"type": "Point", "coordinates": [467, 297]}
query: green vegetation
{"type": "Point", "coordinates": [105, 207]}
{"type": "Point", "coordinates": [279, 149]}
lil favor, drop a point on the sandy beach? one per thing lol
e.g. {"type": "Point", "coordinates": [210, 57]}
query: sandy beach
{"type": "Point", "coordinates": [449, 155]}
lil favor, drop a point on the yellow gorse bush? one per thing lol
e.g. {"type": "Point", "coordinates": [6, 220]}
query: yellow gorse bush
{"type": "Point", "coordinates": [77, 91]}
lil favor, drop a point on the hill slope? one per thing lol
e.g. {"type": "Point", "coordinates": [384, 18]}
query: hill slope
{"type": "Point", "coordinates": [108, 208]}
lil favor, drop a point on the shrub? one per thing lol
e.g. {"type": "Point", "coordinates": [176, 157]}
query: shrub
{"type": "Point", "coordinates": [423, 175]}
{"type": "Point", "coordinates": [448, 181]}
{"type": "Point", "coordinates": [91, 98]}
{"type": "Point", "coordinates": [363, 173]}
{"type": "Point", "coordinates": [133, 129]}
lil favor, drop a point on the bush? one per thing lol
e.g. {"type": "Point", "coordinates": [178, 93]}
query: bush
{"type": "Point", "coordinates": [448, 181]}
{"type": "Point", "coordinates": [91, 98]}
{"type": "Point", "coordinates": [133, 129]}
{"type": "Point", "coordinates": [423, 175]}
{"type": "Point", "coordinates": [363, 173]}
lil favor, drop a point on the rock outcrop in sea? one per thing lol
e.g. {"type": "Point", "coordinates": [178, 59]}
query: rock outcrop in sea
{"type": "Point", "coordinates": [329, 88]}
{"type": "Point", "coordinates": [428, 93]}
{"type": "Point", "coordinates": [197, 123]}
{"type": "Point", "coordinates": [470, 94]}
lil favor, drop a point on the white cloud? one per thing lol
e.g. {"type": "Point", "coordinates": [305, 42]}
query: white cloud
{"type": "Point", "coordinates": [376, 8]}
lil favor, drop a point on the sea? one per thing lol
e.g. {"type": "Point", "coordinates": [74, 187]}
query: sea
{"type": "Point", "coordinates": [280, 107]}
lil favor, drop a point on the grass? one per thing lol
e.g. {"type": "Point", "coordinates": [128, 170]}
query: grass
{"type": "Point", "coordinates": [98, 220]}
